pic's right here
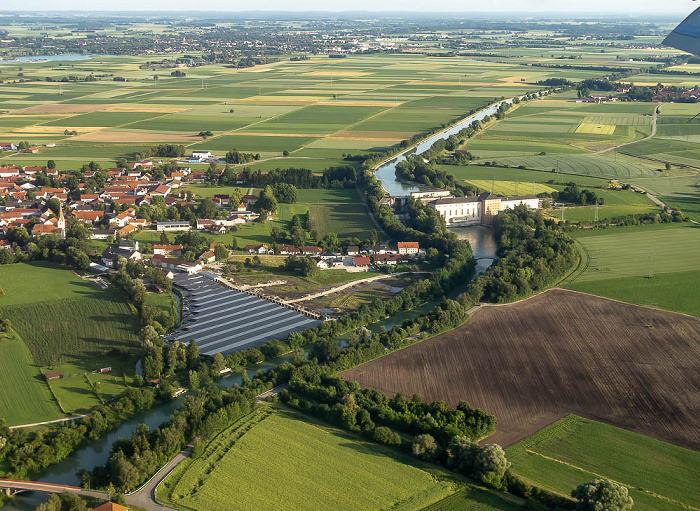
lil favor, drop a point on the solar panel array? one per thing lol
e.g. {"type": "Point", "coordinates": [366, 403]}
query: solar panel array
{"type": "Point", "coordinates": [223, 320]}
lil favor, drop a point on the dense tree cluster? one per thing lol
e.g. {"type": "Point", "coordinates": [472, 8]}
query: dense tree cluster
{"type": "Point", "coordinates": [134, 460]}
{"type": "Point", "coordinates": [534, 253]}
{"type": "Point", "coordinates": [579, 196]}
{"type": "Point", "coordinates": [303, 266]}
{"type": "Point", "coordinates": [329, 397]}
{"type": "Point", "coordinates": [344, 176]}
{"type": "Point", "coordinates": [163, 151]}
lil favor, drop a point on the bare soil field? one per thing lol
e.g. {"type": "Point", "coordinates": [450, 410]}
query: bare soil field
{"type": "Point", "coordinates": [560, 352]}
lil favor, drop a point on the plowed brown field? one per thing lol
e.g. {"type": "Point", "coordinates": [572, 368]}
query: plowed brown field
{"type": "Point", "coordinates": [560, 352]}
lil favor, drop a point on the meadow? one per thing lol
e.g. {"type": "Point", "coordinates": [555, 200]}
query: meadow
{"type": "Point", "coordinates": [575, 450]}
{"type": "Point", "coordinates": [24, 396]}
{"type": "Point", "coordinates": [69, 326]}
{"type": "Point", "coordinates": [618, 262]}
{"type": "Point", "coordinates": [280, 459]}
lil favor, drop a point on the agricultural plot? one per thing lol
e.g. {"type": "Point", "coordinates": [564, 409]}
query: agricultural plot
{"type": "Point", "coordinates": [601, 166]}
{"type": "Point", "coordinates": [510, 187]}
{"type": "Point", "coordinates": [617, 203]}
{"type": "Point", "coordinates": [574, 450]}
{"type": "Point", "coordinates": [24, 397]}
{"type": "Point", "coordinates": [678, 192]}
{"type": "Point", "coordinates": [317, 108]}
{"type": "Point", "coordinates": [617, 263]}
{"type": "Point", "coordinates": [558, 353]}
{"type": "Point", "coordinates": [346, 220]}
{"type": "Point", "coordinates": [279, 460]}
{"type": "Point", "coordinates": [69, 320]}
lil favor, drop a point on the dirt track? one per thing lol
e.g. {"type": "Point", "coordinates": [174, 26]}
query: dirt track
{"type": "Point", "coordinates": [560, 352]}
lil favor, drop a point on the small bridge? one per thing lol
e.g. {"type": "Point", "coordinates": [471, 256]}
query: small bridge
{"type": "Point", "coordinates": [11, 487]}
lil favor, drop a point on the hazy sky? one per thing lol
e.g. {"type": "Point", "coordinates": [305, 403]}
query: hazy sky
{"type": "Point", "coordinates": [590, 7]}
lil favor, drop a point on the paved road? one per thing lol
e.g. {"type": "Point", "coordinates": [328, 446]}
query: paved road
{"type": "Point", "coordinates": [50, 488]}
{"type": "Point", "coordinates": [45, 423]}
{"type": "Point", "coordinates": [145, 496]}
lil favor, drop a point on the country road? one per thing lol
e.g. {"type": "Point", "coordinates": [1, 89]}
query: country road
{"type": "Point", "coordinates": [46, 423]}
{"type": "Point", "coordinates": [651, 135]}
{"type": "Point", "coordinates": [347, 285]}
{"type": "Point", "coordinates": [145, 496]}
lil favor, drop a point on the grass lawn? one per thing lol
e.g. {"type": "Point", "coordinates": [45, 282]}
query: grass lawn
{"type": "Point", "coordinates": [24, 395]}
{"type": "Point", "coordinates": [161, 300]}
{"type": "Point", "coordinates": [346, 220]}
{"type": "Point", "coordinates": [575, 450]}
{"type": "Point", "coordinates": [275, 460]}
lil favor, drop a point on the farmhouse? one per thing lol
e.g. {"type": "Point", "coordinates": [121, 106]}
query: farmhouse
{"type": "Point", "coordinates": [167, 250]}
{"type": "Point", "coordinates": [479, 210]}
{"type": "Point", "coordinates": [408, 247]}
{"type": "Point", "coordinates": [256, 249]}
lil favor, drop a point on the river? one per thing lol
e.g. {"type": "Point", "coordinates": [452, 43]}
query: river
{"type": "Point", "coordinates": [386, 173]}
{"type": "Point", "coordinates": [96, 453]}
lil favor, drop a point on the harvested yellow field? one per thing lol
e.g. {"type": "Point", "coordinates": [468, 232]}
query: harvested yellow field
{"type": "Point", "coordinates": [596, 129]}
{"type": "Point", "coordinates": [510, 187]}
{"type": "Point", "coordinates": [360, 103]}
{"type": "Point", "coordinates": [256, 134]}
{"type": "Point", "coordinates": [158, 109]}
{"type": "Point", "coordinates": [281, 99]}
{"type": "Point", "coordinates": [118, 136]}
{"type": "Point", "coordinates": [41, 129]}
{"type": "Point", "coordinates": [337, 73]}
{"type": "Point", "coordinates": [515, 78]}
{"type": "Point", "coordinates": [65, 108]}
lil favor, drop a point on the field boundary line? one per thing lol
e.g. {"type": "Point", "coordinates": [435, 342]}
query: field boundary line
{"type": "Point", "coordinates": [648, 492]}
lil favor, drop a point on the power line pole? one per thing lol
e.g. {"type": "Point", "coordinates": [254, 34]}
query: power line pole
{"type": "Point", "coordinates": [596, 212]}
{"type": "Point", "coordinates": [562, 213]}
{"type": "Point", "coordinates": [651, 266]}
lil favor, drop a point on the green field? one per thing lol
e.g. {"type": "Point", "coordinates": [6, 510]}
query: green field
{"type": "Point", "coordinates": [24, 396]}
{"type": "Point", "coordinates": [274, 460]}
{"type": "Point", "coordinates": [346, 220]}
{"type": "Point", "coordinates": [510, 187]}
{"type": "Point", "coordinates": [617, 263]}
{"type": "Point", "coordinates": [474, 499]}
{"type": "Point", "coordinates": [574, 450]}
{"type": "Point", "coordinates": [68, 320]}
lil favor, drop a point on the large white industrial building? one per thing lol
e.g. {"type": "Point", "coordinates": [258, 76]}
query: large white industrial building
{"type": "Point", "coordinates": [480, 209]}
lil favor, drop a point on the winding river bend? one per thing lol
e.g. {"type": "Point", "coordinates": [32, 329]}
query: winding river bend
{"type": "Point", "coordinates": [96, 453]}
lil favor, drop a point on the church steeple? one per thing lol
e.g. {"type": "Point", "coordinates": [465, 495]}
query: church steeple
{"type": "Point", "coordinates": [61, 224]}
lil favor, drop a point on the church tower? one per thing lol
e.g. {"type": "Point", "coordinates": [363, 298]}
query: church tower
{"type": "Point", "coordinates": [61, 224]}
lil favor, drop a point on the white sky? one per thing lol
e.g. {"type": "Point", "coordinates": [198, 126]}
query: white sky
{"type": "Point", "coordinates": [590, 7]}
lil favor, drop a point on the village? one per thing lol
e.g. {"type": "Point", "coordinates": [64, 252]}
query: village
{"type": "Point", "coordinates": [45, 201]}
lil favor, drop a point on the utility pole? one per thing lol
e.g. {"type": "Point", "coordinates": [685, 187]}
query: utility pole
{"type": "Point", "coordinates": [516, 187]}
{"type": "Point", "coordinates": [596, 212]}
{"type": "Point", "coordinates": [562, 213]}
{"type": "Point", "coordinates": [651, 266]}
{"type": "Point", "coordinates": [202, 83]}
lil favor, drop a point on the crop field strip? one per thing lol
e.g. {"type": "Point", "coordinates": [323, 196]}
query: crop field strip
{"type": "Point", "coordinates": [560, 352]}
{"type": "Point", "coordinates": [280, 459]}
{"type": "Point", "coordinates": [144, 107]}
{"type": "Point", "coordinates": [574, 450]}
{"type": "Point", "coordinates": [618, 264]}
